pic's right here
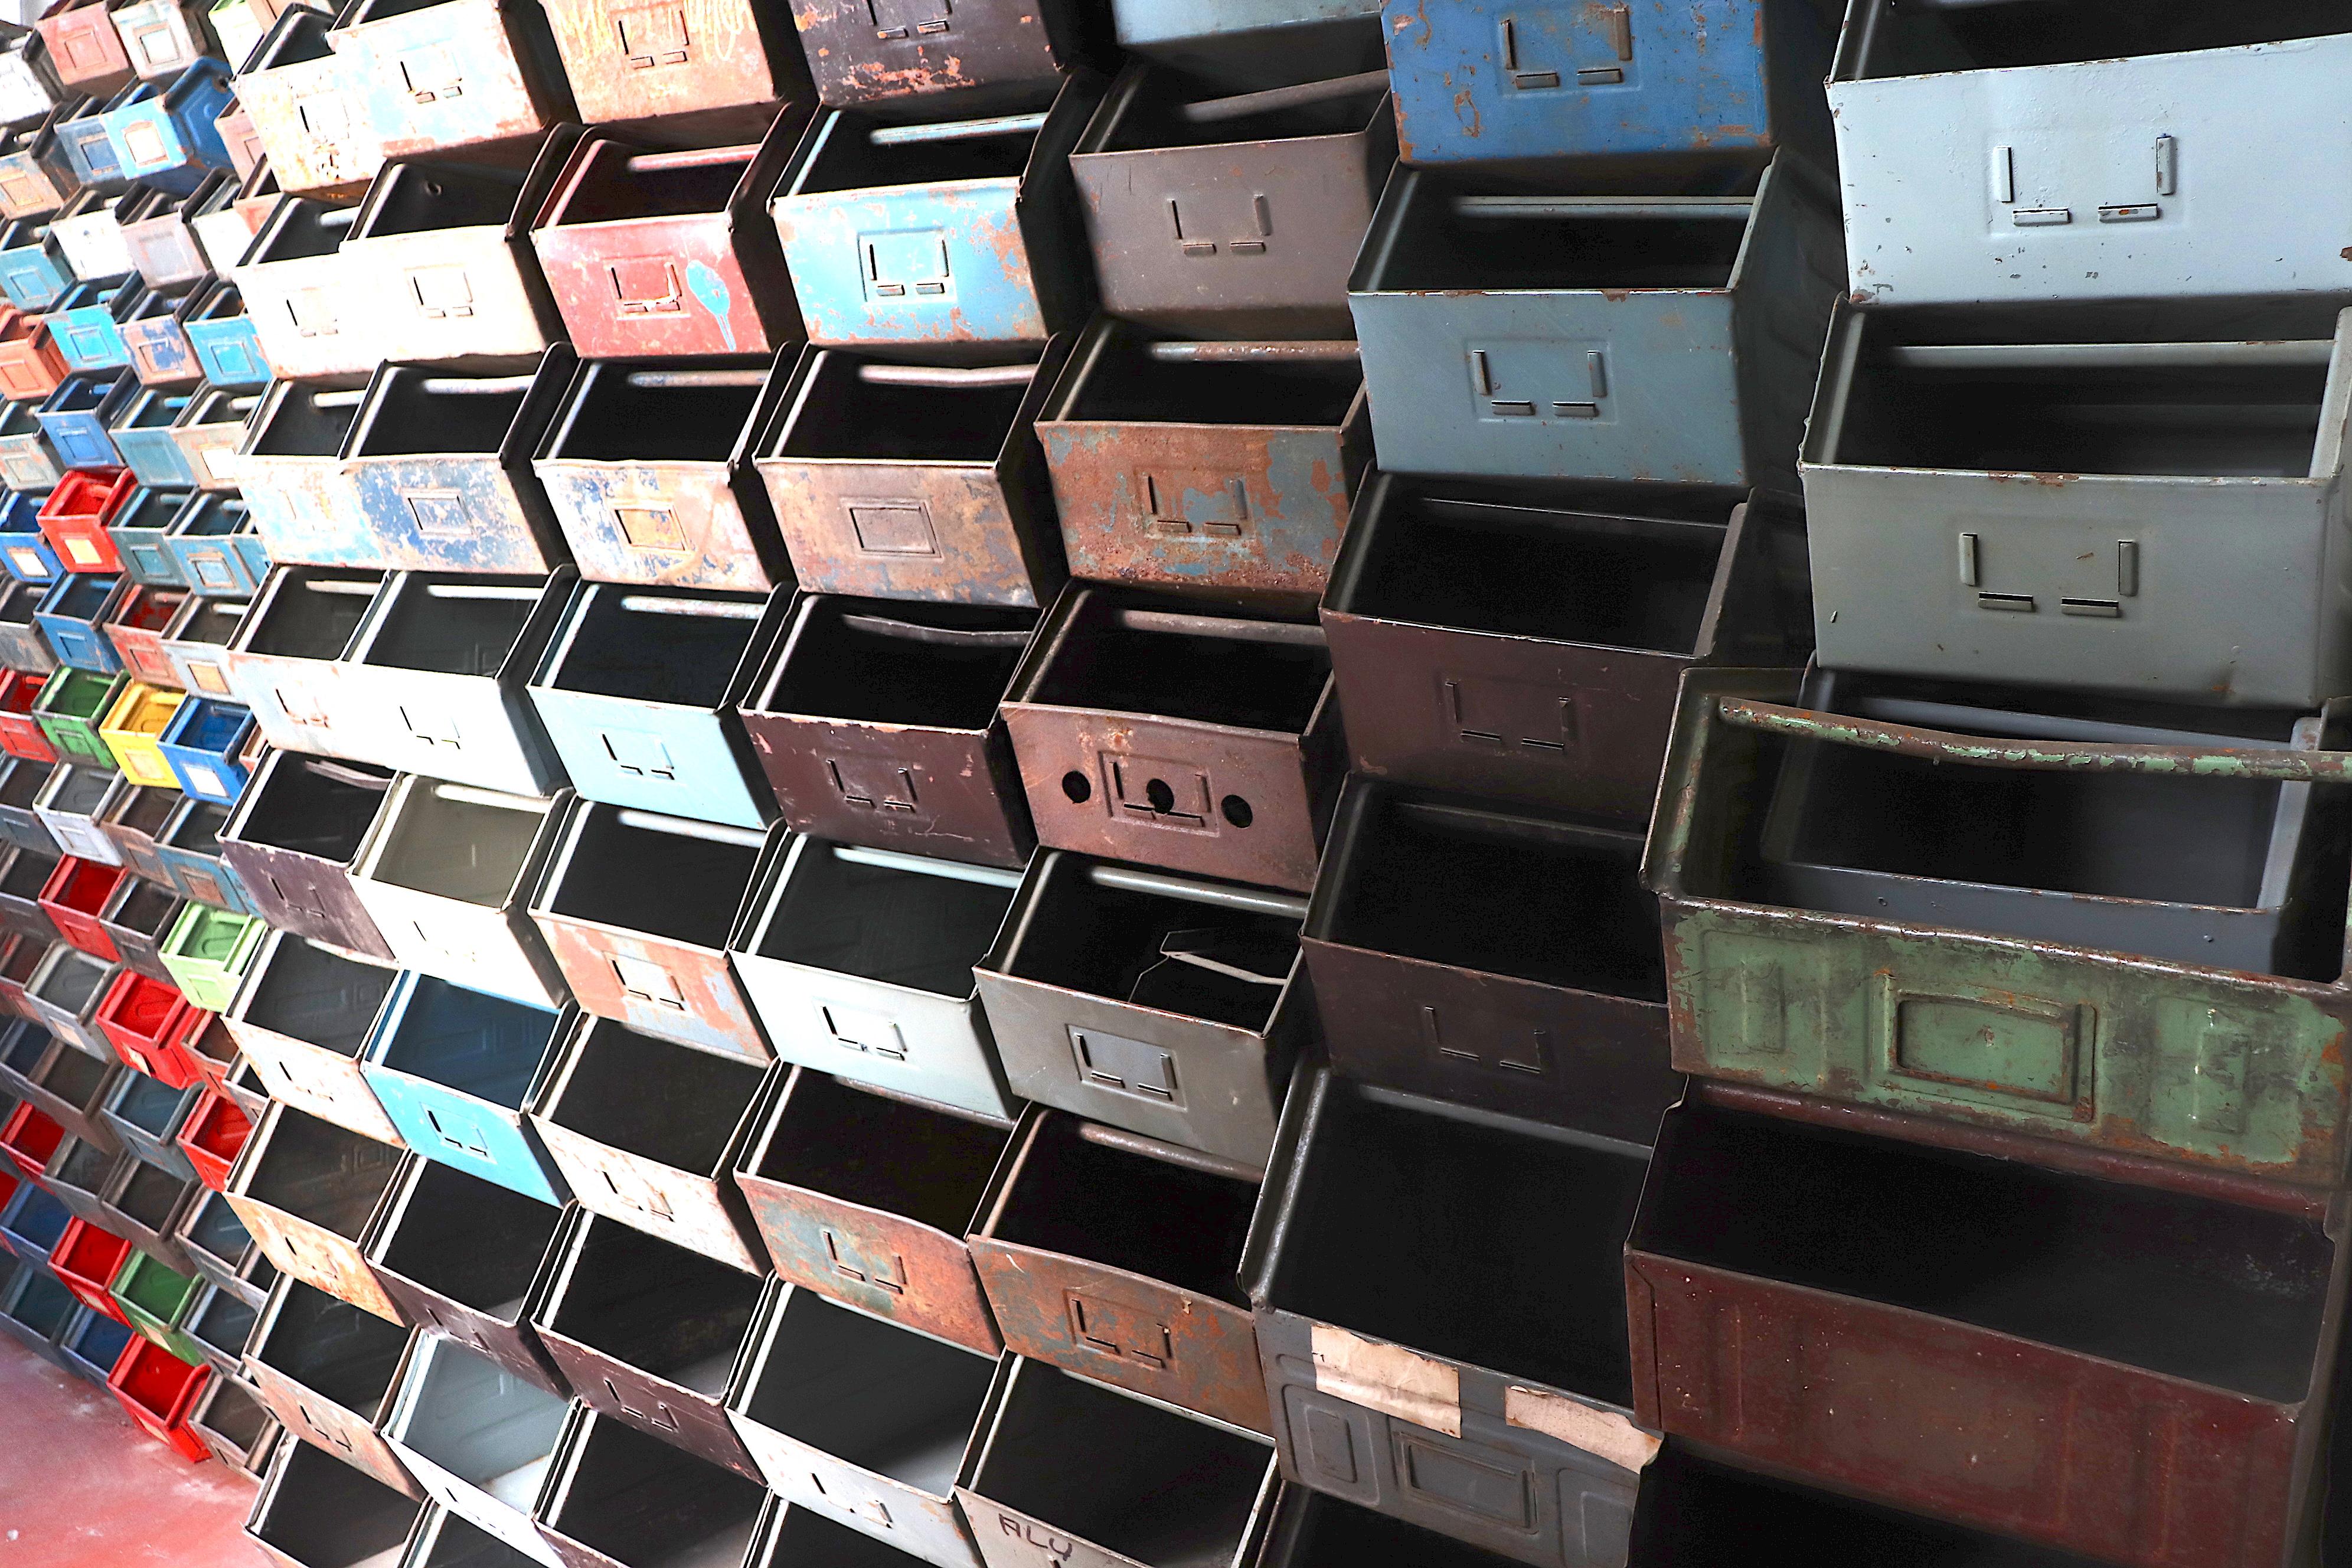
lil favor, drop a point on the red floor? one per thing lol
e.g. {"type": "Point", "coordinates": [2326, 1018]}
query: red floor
{"type": "Point", "coordinates": [82, 1488]}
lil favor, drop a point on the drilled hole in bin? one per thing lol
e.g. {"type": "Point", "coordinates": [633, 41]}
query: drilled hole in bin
{"type": "Point", "coordinates": [1162, 798]}
{"type": "Point", "coordinates": [1237, 811]}
{"type": "Point", "coordinates": [1075, 786]}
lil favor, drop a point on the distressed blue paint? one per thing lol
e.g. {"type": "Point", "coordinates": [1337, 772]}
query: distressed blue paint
{"type": "Point", "coordinates": [33, 272]}
{"type": "Point", "coordinates": [710, 291]}
{"type": "Point", "coordinates": [69, 615]}
{"type": "Point", "coordinates": [25, 552]}
{"type": "Point", "coordinates": [84, 328]}
{"type": "Point", "coordinates": [87, 150]}
{"type": "Point", "coordinates": [160, 351]}
{"type": "Point", "coordinates": [202, 745]}
{"type": "Point", "coordinates": [463, 518]}
{"type": "Point", "coordinates": [77, 415]}
{"type": "Point", "coordinates": [451, 1067]}
{"type": "Point", "coordinates": [171, 141]}
{"type": "Point", "coordinates": [191, 871]}
{"type": "Point", "coordinates": [295, 525]}
{"type": "Point", "coordinates": [212, 544]}
{"type": "Point", "coordinates": [146, 558]}
{"type": "Point", "coordinates": [1693, 80]}
{"type": "Point", "coordinates": [617, 750]}
{"type": "Point", "coordinates": [143, 438]}
{"type": "Point", "coordinates": [228, 351]}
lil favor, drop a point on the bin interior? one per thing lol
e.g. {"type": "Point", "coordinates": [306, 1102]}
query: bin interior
{"type": "Point", "coordinates": [316, 807]}
{"type": "Point", "coordinates": [472, 1241]}
{"type": "Point", "coordinates": [80, 394]}
{"type": "Point", "coordinates": [151, 412]}
{"type": "Point", "coordinates": [883, 663]}
{"type": "Point", "coordinates": [87, 887]}
{"type": "Point", "coordinates": [1435, 246]}
{"type": "Point", "coordinates": [299, 231]}
{"type": "Point", "coordinates": [651, 656]}
{"type": "Point", "coordinates": [148, 609]}
{"type": "Point", "coordinates": [653, 1099]}
{"type": "Point", "coordinates": [299, 427]}
{"type": "Point", "coordinates": [320, 1174]}
{"type": "Point", "coordinates": [640, 1501]}
{"type": "Point", "coordinates": [215, 1231]}
{"type": "Point", "coordinates": [840, 416]}
{"type": "Point", "coordinates": [38, 1219]}
{"type": "Point", "coordinates": [458, 844]}
{"type": "Point", "coordinates": [203, 724]}
{"type": "Point", "coordinates": [1128, 1211]}
{"type": "Point", "coordinates": [217, 515]}
{"type": "Point", "coordinates": [884, 1398]}
{"type": "Point", "coordinates": [411, 197]}
{"type": "Point", "coordinates": [456, 1544]}
{"type": "Point", "coordinates": [26, 1042]}
{"type": "Point", "coordinates": [881, 1154]}
{"type": "Point", "coordinates": [481, 1423]}
{"type": "Point", "coordinates": [308, 618]}
{"type": "Point", "coordinates": [451, 627]}
{"type": "Point", "coordinates": [86, 1166]}
{"type": "Point", "coordinates": [660, 1308]}
{"type": "Point", "coordinates": [232, 1416]}
{"type": "Point", "coordinates": [210, 935]}
{"type": "Point", "coordinates": [143, 1009]}
{"type": "Point", "coordinates": [80, 792]}
{"type": "Point", "coordinates": [73, 982]}
{"type": "Point", "coordinates": [216, 622]}
{"type": "Point", "coordinates": [146, 809]}
{"type": "Point", "coordinates": [1540, 1220]}
{"type": "Point", "coordinates": [153, 509]}
{"type": "Point", "coordinates": [646, 880]}
{"type": "Point", "coordinates": [884, 923]}
{"type": "Point", "coordinates": [476, 1044]}
{"type": "Point", "coordinates": [28, 872]}
{"type": "Point", "coordinates": [147, 909]}
{"type": "Point", "coordinates": [151, 1195]}
{"type": "Point", "coordinates": [608, 190]}
{"type": "Point", "coordinates": [849, 159]}
{"type": "Point", "coordinates": [22, 779]}
{"type": "Point", "coordinates": [344, 1355]}
{"type": "Point", "coordinates": [1105, 664]}
{"type": "Point", "coordinates": [151, 1106]}
{"type": "Point", "coordinates": [20, 601]}
{"type": "Point", "coordinates": [1124, 385]}
{"type": "Point", "coordinates": [610, 417]}
{"type": "Point", "coordinates": [99, 1341]}
{"type": "Point", "coordinates": [42, 1305]}
{"type": "Point", "coordinates": [406, 420]}
{"type": "Point", "coordinates": [323, 1513]}
{"type": "Point", "coordinates": [314, 995]}
{"type": "Point", "coordinates": [1910, 40]}
{"type": "Point", "coordinates": [1138, 1479]}
{"type": "Point", "coordinates": [804, 1538]}
{"type": "Point", "coordinates": [1551, 899]}
{"type": "Point", "coordinates": [223, 1321]}
{"type": "Point", "coordinates": [198, 833]}
{"type": "Point", "coordinates": [1153, 118]}
{"type": "Point", "coordinates": [85, 593]}
{"type": "Point", "coordinates": [153, 1288]}
{"type": "Point", "coordinates": [1117, 942]}
{"type": "Point", "coordinates": [2191, 1287]}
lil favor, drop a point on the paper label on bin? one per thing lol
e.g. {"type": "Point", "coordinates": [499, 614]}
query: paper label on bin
{"type": "Point", "coordinates": [1602, 1432]}
{"type": "Point", "coordinates": [1387, 1378]}
{"type": "Point", "coordinates": [82, 550]}
{"type": "Point", "coordinates": [29, 562]}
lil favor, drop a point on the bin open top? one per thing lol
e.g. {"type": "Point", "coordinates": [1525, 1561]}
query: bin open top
{"type": "Point", "coordinates": [1885, 38]}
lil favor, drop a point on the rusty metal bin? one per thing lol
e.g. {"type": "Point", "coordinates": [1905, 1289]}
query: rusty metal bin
{"type": "Point", "coordinates": [1670, 337]}
{"type": "Point", "coordinates": [1117, 1258]}
{"type": "Point", "coordinates": [1072, 1464]}
{"type": "Point", "coordinates": [310, 120]}
{"type": "Point", "coordinates": [84, 47]}
{"type": "Point", "coordinates": [303, 1021]}
{"type": "Point", "coordinates": [447, 874]}
{"type": "Point", "coordinates": [326, 1371]}
{"type": "Point", "coordinates": [1224, 470]}
{"type": "Point", "coordinates": [859, 962]}
{"type": "Point", "coordinates": [90, 154]}
{"type": "Point", "coordinates": [2109, 1304]}
{"type": "Point", "coordinates": [886, 1236]}
{"type": "Point", "coordinates": [297, 489]}
{"type": "Point", "coordinates": [162, 38]}
{"type": "Point", "coordinates": [869, 1423]}
{"type": "Point", "coordinates": [448, 76]}
{"type": "Point", "coordinates": [138, 531]}
{"type": "Point", "coordinates": [478, 1440]}
{"type": "Point", "coordinates": [317, 1512]}
{"type": "Point", "coordinates": [955, 241]}
{"type": "Point", "coordinates": [221, 1250]}
{"type": "Point", "coordinates": [907, 481]}
{"type": "Point", "coordinates": [288, 662]}
{"type": "Point", "coordinates": [1147, 731]}
{"type": "Point", "coordinates": [440, 667]}
{"type": "Point", "coordinates": [238, 1428]}
{"type": "Point", "coordinates": [1233, 215]}
{"type": "Point", "coordinates": [648, 468]}
{"type": "Point", "coordinates": [877, 722]}
{"type": "Point", "coordinates": [294, 839]}
{"type": "Point", "coordinates": [626, 62]}
{"type": "Point", "coordinates": [221, 335]}
{"type": "Point", "coordinates": [157, 232]}
{"type": "Point", "coordinates": [67, 1086]}
{"type": "Point", "coordinates": [2076, 930]}
{"type": "Point", "coordinates": [471, 1259]}
{"type": "Point", "coordinates": [658, 255]}
{"type": "Point", "coordinates": [640, 691]}
{"type": "Point", "coordinates": [210, 430]}
{"type": "Point", "coordinates": [619, 1499]}
{"type": "Point", "coordinates": [650, 1335]}
{"type": "Point", "coordinates": [1492, 956]}
{"type": "Point", "coordinates": [927, 59]}
{"type": "Point", "coordinates": [664, 1162]}
{"type": "Point", "coordinates": [300, 296]}
{"type": "Point", "coordinates": [307, 1190]}
{"type": "Point", "coordinates": [1504, 1423]}
{"type": "Point", "coordinates": [441, 467]}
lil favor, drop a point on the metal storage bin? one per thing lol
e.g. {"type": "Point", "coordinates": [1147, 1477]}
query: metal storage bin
{"type": "Point", "coordinates": [86, 324]}
{"type": "Point", "coordinates": [162, 37]}
{"type": "Point", "coordinates": [33, 1223]}
{"type": "Point", "coordinates": [704, 56]}
{"type": "Point", "coordinates": [89, 153]}
{"type": "Point", "coordinates": [212, 1135]}
{"type": "Point", "coordinates": [24, 872]}
{"type": "Point", "coordinates": [156, 1389]}
{"type": "Point", "coordinates": [157, 231]}
{"type": "Point", "coordinates": [20, 733]}
{"type": "Point", "coordinates": [307, 1189]}
{"type": "Point", "coordinates": [218, 548]}
{"type": "Point", "coordinates": [26, 464]}
{"type": "Point", "coordinates": [85, 1259]}
{"type": "Point", "coordinates": [70, 710]}
{"type": "Point", "coordinates": [316, 1511]}
{"type": "Point", "coordinates": [1117, 1257]}
{"type": "Point", "coordinates": [1492, 956]}
{"type": "Point", "coordinates": [441, 467]}
{"type": "Point", "coordinates": [217, 1244]}
{"type": "Point", "coordinates": [1507, 1426]}
{"type": "Point", "coordinates": [93, 1343]}
{"type": "Point", "coordinates": [618, 1499]}
{"type": "Point", "coordinates": [1071, 1463]}
{"type": "Point", "coordinates": [69, 808]}
{"type": "Point", "coordinates": [304, 1019]}
{"type": "Point", "coordinates": [29, 89]}
{"type": "Point", "coordinates": [648, 468]}
{"type": "Point", "coordinates": [859, 962]}
{"type": "Point", "coordinates": [1655, 338]}
{"type": "Point", "coordinates": [298, 294]}
{"type": "Point", "coordinates": [63, 996]}
{"type": "Point", "coordinates": [30, 364]}
{"type": "Point", "coordinates": [37, 1313]}
{"type": "Point", "coordinates": [886, 1236]}
{"type": "Point", "coordinates": [650, 1335]}
{"type": "Point", "coordinates": [76, 416]}
{"type": "Point", "coordinates": [294, 840]}
{"type": "Point", "coordinates": [138, 919]}
{"type": "Point", "coordinates": [155, 1301]}
{"type": "Point", "coordinates": [649, 1133]}
{"type": "Point", "coordinates": [143, 1202]}
{"type": "Point", "coordinates": [441, 664]}
{"type": "Point", "coordinates": [208, 953]}
{"type": "Point", "coordinates": [447, 873]}
{"type": "Point", "coordinates": [924, 62]}
{"type": "Point", "coordinates": [21, 643]}
{"type": "Point", "coordinates": [470, 1259]}
{"type": "Point", "coordinates": [288, 662]}
{"type": "Point", "coordinates": [157, 345]}
{"type": "Point", "coordinates": [35, 180]}
{"type": "Point", "coordinates": [207, 746]}
{"type": "Point", "coordinates": [453, 1069]}
{"type": "Point", "coordinates": [135, 628]}
{"type": "Point", "coordinates": [2142, 506]}
{"type": "Point", "coordinates": [29, 1139]}
{"type": "Point", "coordinates": [1203, 744]}
{"type": "Point", "coordinates": [221, 335]}
{"type": "Point", "coordinates": [60, 1082]}
{"type": "Point", "coordinates": [1865, 1249]}
{"type": "Point", "coordinates": [171, 139]}
{"type": "Point", "coordinates": [443, 1540]}
{"type": "Point", "coordinates": [144, 1019]}
{"type": "Point", "coordinates": [902, 481]}
{"type": "Point", "coordinates": [640, 691]}
{"type": "Point", "coordinates": [77, 1173]}
{"type": "Point", "coordinates": [312, 123]}
{"type": "Point", "coordinates": [144, 439]}
{"type": "Point", "coordinates": [451, 75]}
{"type": "Point", "coordinates": [21, 784]}
{"type": "Point", "coordinates": [238, 1428]}
{"type": "Point", "coordinates": [220, 1064]}
{"type": "Point", "coordinates": [656, 254]}
{"type": "Point", "coordinates": [871, 1425]}
{"type": "Point", "coordinates": [1180, 181]}
{"type": "Point", "coordinates": [209, 432]}
{"type": "Point", "coordinates": [956, 240]}
{"type": "Point", "coordinates": [74, 517]}
{"type": "Point", "coordinates": [328, 1371]}
{"type": "Point", "coordinates": [789, 1535]}
{"type": "Point", "coordinates": [147, 1114]}
{"type": "Point", "coordinates": [478, 1440]}
{"type": "Point", "coordinates": [451, 244]}
{"type": "Point", "coordinates": [218, 1324]}
{"type": "Point", "coordinates": [301, 496]}
{"type": "Point", "coordinates": [2175, 1005]}
{"type": "Point", "coordinates": [189, 847]}
{"type": "Point", "coordinates": [1216, 469]}
{"type": "Point", "coordinates": [138, 532]}
{"type": "Point", "coordinates": [84, 47]}
{"type": "Point", "coordinates": [69, 614]}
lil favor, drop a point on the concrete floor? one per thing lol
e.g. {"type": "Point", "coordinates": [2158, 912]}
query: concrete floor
{"type": "Point", "coordinates": [80, 1487]}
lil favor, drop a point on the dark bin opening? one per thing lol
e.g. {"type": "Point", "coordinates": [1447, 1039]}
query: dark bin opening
{"type": "Point", "coordinates": [149, 1106]}
{"type": "Point", "coordinates": [476, 1044]}
{"type": "Point", "coordinates": [1154, 117]}
{"type": "Point", "coordinates": [216, 1232]}
{"type": "Point", "coordinates": [148, 910]}
{"type": "Point", "coordinates": [99, 1342]}
{"type": "Point", "coordinates": [84, 594]}
{"type": "Point", "coordinates": [640, 1501]}
{"type": "Point", "coordinates": [880, 662]}
{"type": "Point", "coordinates": [235, 1417]}
{"type": "Point", "coordinates": [28, 872]}
{"type": "Point", "coordinates": [1124, 384]}
{"type": "Point", "coordinates": [489, 842]}
{"type": "Point", "coordinates": [315, 995]}
{"type": "Point", "coordinates": [22, 780]}
{"type": "Point", "coordinates": [879, 1154]}
{"type": "Point", "coordinates": [1538, 1220]}
{"type": "Point", "coordinates": [326, 1514]}
{"type": "Point", "coordinates": [222, 1322]}
{"type": "Point", "coordinates": [73, 982]}
{"type": "Point", "coordinates": [75, 1076]}
{"type": "Point", "coordinates": [1128, 1211]}
{"type": "Point", "coordinates": [456, 1544]}
{"type": "Point", "coordinates": [882, 922]}
{"type": "Point", "coordinates": [43, 1306]}
{"type": "Point", "coordinates": [218, 514]}
{"type": "Point", "coordinates": [1438, 245]}
{"type": "Point", "coordinates": [340, 1352]}
{"type": "Point", "coordinates": [40, 1220]}
{"type": "Point", "coordinates": [318, 809]}
{"type": "Point", "coordinates": [148, 610]}
{"type": "Point", "coordinates": [1140, 1480]}
{"type": "Point", "coordinates": [87, 1167]}
{"type": "Point", "coordinates": [1903, 39]}
{"type": "Point", "coordinates": [314, 613]}
{"type": "Point", "coordinates": [804, 1538]}
{"type": "Point", "coordinates": [450, 627]}
{"type": "Point", "coordinates": [152, 1194]}
{"type": "Point", "coordinates": [2195, 1287]}
{"type": "Point", "coordinates": [851, 160]}
{"type": "Point", "coordinates": [652, 655]}
{"type": "Point", "coordinates": [654, 1099]}
{"type": "Point", "coordinates": [473, 1241]}
{"type": "Point", "coordinates": [147, 810]}
{"type": "Point", "coordinates": [1105, 664]}
{"type": "Point", "coordinates": [610, 190]}
{"type": "Point", "coordinates": [198, 833]}
{"type": "Point", "coordinates": [610, 417]}
{"type": "Point", "coordinates": [80, 791]}
{"type": "Point", "coordinates": [216, 622]}
{"type": "Point", "coordinates": [300, 427]}
{"type": "Point", "coordinates": [842, 414]}
{"type": "Point", "coordinates": [24, 1046]}
{"type": "Point", "coordinates": [1123, 944]}
{"type": "Point", "coordinates": [321, 1175]}
{"type": "Point", "coordinates": [151, 508]}
{"type": "Point", "coordinates": [643, 879]}
{"type": "Point", "coordinates": [660, 1308]}
{"type": "Point", "coordinates": [151, 413]}
{"type": "Point", "coordinates": [406, 419]}
{"type": "Point", "coordinates": [1551, 899]}
{"type": "Point", "coordinates": [410, 197]}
